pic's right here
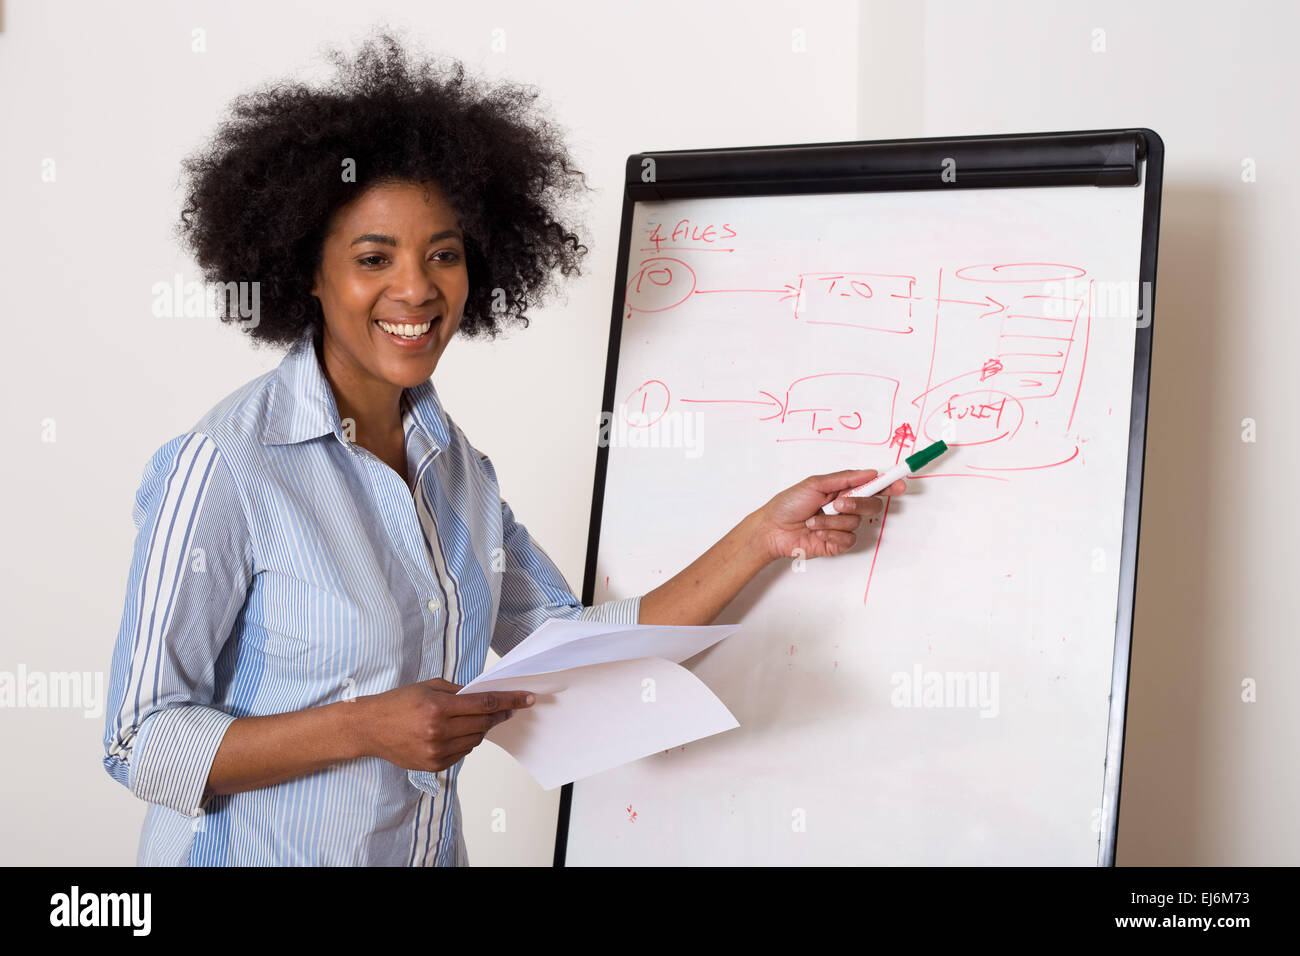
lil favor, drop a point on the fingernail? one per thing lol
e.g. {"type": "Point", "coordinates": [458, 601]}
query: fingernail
{"type": "Point", "coordinates": [529, 699]}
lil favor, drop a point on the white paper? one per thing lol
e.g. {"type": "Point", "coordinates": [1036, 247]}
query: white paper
{"type": "Point", "coordinates": [606, 694]}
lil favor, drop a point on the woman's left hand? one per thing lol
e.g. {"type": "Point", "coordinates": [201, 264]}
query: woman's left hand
{"type": "Point", "coordinates": [793, 523]}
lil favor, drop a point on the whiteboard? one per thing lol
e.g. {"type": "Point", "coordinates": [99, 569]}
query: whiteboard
{"type": "Point", "coordinates": [939, 694]}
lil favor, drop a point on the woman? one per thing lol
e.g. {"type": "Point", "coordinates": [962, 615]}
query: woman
{"type": "Point", "coordinates": [323, 560]}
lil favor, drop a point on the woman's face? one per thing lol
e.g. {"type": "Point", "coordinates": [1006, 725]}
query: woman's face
{"type": "Point", "coordinates": [394, 255]}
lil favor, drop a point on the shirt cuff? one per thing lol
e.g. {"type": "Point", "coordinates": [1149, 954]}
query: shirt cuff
{"type": "Point", "coordinates": [426, 780]}
{"type": "Point", "coordinates": [171, 760]}
{"type": "Point", "coordinates": [623, 611]}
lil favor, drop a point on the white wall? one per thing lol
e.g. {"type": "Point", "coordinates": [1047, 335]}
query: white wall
{"type": "Point", "coordinates": [118, 99]}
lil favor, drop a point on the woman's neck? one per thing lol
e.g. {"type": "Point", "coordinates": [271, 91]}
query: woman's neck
{"type": "Point", "coordinates": [374, 407]}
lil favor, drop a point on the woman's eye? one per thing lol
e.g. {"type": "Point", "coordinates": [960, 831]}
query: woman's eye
{"type": "Point", "coordinates": [376, 259]}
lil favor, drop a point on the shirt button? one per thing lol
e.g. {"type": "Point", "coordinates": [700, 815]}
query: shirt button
{"type": "Point", "coordinates": [433, 604]}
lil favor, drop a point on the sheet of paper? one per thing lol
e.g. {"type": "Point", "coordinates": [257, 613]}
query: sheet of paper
{"type": "Point", "coordinates": [562, 644]}
{"type": "Point", "coordinates": [606, 694]}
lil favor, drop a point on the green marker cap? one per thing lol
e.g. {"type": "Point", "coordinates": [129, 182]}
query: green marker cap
{"type": "Point", "coordinates": [925, 456]}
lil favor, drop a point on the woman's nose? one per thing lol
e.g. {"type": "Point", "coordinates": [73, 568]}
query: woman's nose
{"type": "Point", "coordinates": [413, 283]}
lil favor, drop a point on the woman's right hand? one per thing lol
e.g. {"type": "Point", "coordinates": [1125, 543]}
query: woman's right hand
{"type": "Point", "coordinates": [426, 726]}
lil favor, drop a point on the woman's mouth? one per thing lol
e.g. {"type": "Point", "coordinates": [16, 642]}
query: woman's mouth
{"type": "Point", "coordinates": [408, 335]}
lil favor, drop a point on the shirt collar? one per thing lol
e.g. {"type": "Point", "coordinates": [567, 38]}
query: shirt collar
{"type": "Point", "coordinates": [302, 403]}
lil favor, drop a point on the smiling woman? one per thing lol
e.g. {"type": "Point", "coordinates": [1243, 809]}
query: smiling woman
{"type": "Point", "coordinates": [289, 697]}
{"type": "Point", "coordinates": [324, 559]}
{"type": "Point", "coordinates": [393, 295]}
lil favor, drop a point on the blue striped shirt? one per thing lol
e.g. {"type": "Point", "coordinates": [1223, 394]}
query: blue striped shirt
{"type": "Point", "coordinates": [278, 566]}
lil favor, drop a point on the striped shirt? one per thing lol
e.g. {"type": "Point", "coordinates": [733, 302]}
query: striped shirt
{"type": "Point", "coordinates": [278, 566]}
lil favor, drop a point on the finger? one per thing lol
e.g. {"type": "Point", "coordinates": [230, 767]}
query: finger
{"type": "Point", "coordinates": [452, 760]}
{"type": "Point", "coordinates": [837, 542]}
{"type": "Point", "coordinates": [475, 723]}
{"type": "Point", "coordinates": [488, 702]}
{"type": "Point", "coordinates": [858, 505]}
{"type": "Point", "coordinates": [839, 481]}
{"type": "Point", "coordinates": [899, 487]}
{"type": "Point", "coordinates": [463, 744]}
{"type": "Point", "coordinates": [821, 522]}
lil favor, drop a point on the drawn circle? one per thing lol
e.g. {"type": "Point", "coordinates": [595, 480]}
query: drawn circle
{"type": "Point", "coordinates": [1038, 272]}
{"type": "Point", "coordinates": [979, 417]}
{"type": "Point", "coordinates": [646, 404]}
{"type": "Point", "coordinates": [659, 284]}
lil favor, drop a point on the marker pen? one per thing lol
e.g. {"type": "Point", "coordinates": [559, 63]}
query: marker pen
{"type": "Point", "coordinates": [908, 466]}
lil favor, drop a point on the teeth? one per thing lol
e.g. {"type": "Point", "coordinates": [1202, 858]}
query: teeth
{"type": "Point", "coordinates": [406, 331]}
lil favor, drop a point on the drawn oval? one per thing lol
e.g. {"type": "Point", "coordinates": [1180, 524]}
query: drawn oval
{"type": "Point", "coordinates": [659, 285]}
{"type": "Point", "coordinates": [1021, 272]}
{"type": "Point", "coordinates": [978, 417]}
{"type": "Point", "coordinates": [646, 404]}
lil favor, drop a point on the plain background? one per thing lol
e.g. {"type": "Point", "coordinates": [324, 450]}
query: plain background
{"type": "Point", "coordinates": [116, 97]}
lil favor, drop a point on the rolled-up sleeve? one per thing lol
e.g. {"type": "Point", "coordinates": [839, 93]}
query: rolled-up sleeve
{"type": "Point", "coordinates": [533, 590]}
{"type": "Point", "coordinates": [189, 579]}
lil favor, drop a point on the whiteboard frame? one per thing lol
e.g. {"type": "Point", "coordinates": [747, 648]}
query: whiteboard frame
{"type": "Point", "coordinates": [1118, 158]}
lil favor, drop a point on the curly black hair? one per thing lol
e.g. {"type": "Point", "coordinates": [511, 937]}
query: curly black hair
{"type": "Point", "coordinates": [260, 194]}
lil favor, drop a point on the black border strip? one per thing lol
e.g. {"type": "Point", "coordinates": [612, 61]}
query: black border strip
{"type": "Point", "coordinates": [1137, 438]}
{"type": "Point", "coordinates": [1099, 158]}
{"type": "Point", "coordinates": [1089, 157]}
